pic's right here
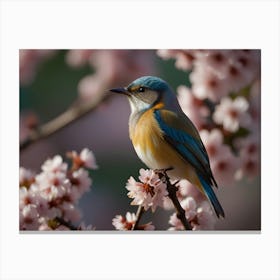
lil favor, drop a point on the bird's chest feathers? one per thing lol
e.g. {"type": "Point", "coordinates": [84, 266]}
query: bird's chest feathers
{"type": "Point", "coordinates": [145, 131]}
{"type": "Point", "coordinates": [146, 136]}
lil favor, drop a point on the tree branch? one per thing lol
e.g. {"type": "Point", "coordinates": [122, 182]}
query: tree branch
{"type": "Point", "coordinates": [139, 214]}
{"type": "Point", "coordinates": [75, 112]}
{"type": "Point", "coordinates": [172, 189]}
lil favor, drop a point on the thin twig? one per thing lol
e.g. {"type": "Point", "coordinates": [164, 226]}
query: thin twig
{"type": "Point", "coordinates": [172, 189]}
{"type": "Point", "coordinates": [72, 114]}
{"type": "Point", "coordinates": [139, 214]}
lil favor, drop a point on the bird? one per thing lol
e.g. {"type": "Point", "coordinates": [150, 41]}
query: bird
{"type": "Point", "coordinates": [164, 138]}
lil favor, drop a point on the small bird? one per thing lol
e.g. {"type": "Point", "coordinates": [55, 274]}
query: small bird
{"type": "Point", "coordinates": [164, 137]}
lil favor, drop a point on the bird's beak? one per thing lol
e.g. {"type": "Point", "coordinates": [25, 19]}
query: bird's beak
{"type": "Point", "coordinates": [120, 90]}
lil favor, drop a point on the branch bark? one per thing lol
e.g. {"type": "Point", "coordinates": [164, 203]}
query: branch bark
{"type": "Point", "coordinates": [172, 190]}
{"type": "Point", "coordinates": [75, 112]}
{"type": "Point", "coordinates": [139, 214]}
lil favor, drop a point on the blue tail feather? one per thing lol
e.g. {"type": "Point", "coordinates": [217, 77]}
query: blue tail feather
{"type": "Point", "coordinates": [212, 197]}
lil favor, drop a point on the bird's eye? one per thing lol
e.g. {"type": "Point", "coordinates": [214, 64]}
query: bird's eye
{"type": "Point", "coordinates": [141, 89]}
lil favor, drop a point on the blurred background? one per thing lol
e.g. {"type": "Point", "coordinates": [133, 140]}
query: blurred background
{"type": "Point", "coordinates": [51, 80]}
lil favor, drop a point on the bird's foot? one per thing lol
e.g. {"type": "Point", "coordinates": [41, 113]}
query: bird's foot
{"type": "Point", "coordinates": [163, 170]}
{"type": "Point", "coordinates": [175, 183]}
{"type": "Point", "coordinates": [162, 173]}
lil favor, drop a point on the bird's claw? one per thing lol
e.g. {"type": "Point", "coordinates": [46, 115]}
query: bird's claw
{"type": "Point", "coordinates": [162, 173]}
{"type": "Point", "coordinates": [163, 170]}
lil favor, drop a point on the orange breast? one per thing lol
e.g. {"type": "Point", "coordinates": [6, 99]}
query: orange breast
{"type": "Point", "coordinates": [146, 135]}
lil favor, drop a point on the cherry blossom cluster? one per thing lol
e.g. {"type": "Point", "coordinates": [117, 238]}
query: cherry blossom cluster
{"type": "Point", "coordinates": [197, 208]}
{"type": "Point", "coordinates": [48, 200]}
{"type": "Point", "coordinates": [224, 104]}
{"type": "Point", "coordinates": [150, 192]}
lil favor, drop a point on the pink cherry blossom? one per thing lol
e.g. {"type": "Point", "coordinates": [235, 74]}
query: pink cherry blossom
{"type": "Point", "coordinates": [127, 223]}
{"type": "Point", "coordinates": [232, 114]}
{"type": "Point", "coordinates": [26, 177]}
{"type": "Point", "coordinates": [175, 223]}
{"type": "Point", "coordinates": [184, 60]}
{"type": "Point", "coordinates": [250, 157]}
{"type": "Point", "coordinates": [207, 84]}
{"type": "Point", "coordinates": [187, 189]}
{"type": "Point", "coordinates": [54, 165]}
{"type": "Point", "coordinates": [53, 193]}
{"type": "Point", "coordinates": [224, 167]}
{"type": "Point", "coordinates": [216, 73]}
{"type": "Point", "coordinates": [81, 183]}
{"type": "Point", "coordinates": [32, 196]}
{"type": "Point", "coordinates": [88, 158]}
{"type": "Point", "coordinates": [243, 68]}
{"type": "Point", "coordinates": [149, 192]}
{"type": "Point", "coordinates": [200, 216]}
{"type": "Point", "coordinates": [214, 143]}
{"type": "Point", "coordinates": [70, 212]}
{"type": "Point", "coordinates": [46, 180]}
{"type": "Point", "coordinates": [139, 192]}
{"type": "Point", "coordinates": [215, 60]}
{"type": "Point", "coordinates": [189, 204]}
{"type": "Point", "coordinates": [29, 217]}
{"type": "Point", "coordinates": [124, 223]}
{"type": "Point", "coordinates": [167, 203]}
{"type": "Point", "coordinates": [205, 218]}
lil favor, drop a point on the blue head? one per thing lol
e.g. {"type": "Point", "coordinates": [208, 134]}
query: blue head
{"type": "Point", "coordinates": [148, 91]}
{"type": "Point", "coordinates": [149, 82]}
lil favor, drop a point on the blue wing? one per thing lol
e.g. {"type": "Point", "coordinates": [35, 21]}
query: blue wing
{"type": "Point", "coordinates": [182, 135]}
